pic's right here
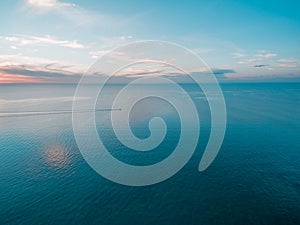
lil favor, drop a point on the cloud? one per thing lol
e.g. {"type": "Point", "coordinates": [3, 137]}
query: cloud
{"type": "Point", "coordinates": [143, 71]}
{"type": "Point", "coordinates": [49, 3]}
{"type": "Point", "coordinates": [238, 55]}
{"type": "Point", "coordinates": [106, 44]}
{"type": "Point", "coordinates": [36, 62]}
{"type": "Point", "coordinates": [287, 60]}
{"type": "Point", "coordinates": [266, 56]}
{"type": "Point", "coordinates": [287, 65]}
{"type": "Point", "coordinates": [126, 37]}
{"type": "Point", "coordinates": [256, 60]}
{"type": "Point", "coordinates": [76, 14]}
{"type": "Point", "coordinates": [46, 71]}
{"type": "Point", "coordinates": [16, 78]}
{"type": "Point", "coordinates": [97, 54]}
{"type": "Point", "coordinates": [222, 71]}
{"type": "Point", "coordinates": [260, 65]}
{"type": "Point", "coordinates": [19, 68]}
{"type": "Point", "coordinates": [144, 74]}
{"type": "Point", "coordinates": [19, 59]}
{"type": "Point", "coordinates": [111, 42]}
{"type": "Point", "coordinates": [69, 11]}
{"type": "Point", "coordinates": [46, 74]}
{"type": "Point", "coordinates": [169, 72]}
{"type": "Point", "coordinates": [262, 59]}
{"type": "Point", "coordinates": [36, 40]}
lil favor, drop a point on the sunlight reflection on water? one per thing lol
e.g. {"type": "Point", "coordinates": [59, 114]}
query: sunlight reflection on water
{"type": "Point", "coordinates": [57, 157]}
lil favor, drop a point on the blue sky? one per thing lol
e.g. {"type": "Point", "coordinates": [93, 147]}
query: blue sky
{"type": "Point", "coordinates": [56, 41]}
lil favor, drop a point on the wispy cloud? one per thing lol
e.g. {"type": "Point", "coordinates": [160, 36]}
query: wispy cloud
{"type": "Point", "coordinates": [287, 60]}
{"type": "Point", "coordinates": [49, 3]}
{"type": "Point", "coordinates": [202, 50]}
{"type": "Point", "coordinates": [69, 11]}
{"type": "Point", "coordinates": [131, 73]}
{"type": "Point", "coordinates": [266, 56]}
{"type": "Point", "coordinates": [238, 55]}
{"type": "Point", "coordinates": [19, 59]}
{"type": "Point", "coordinates": [287, 65]}
{"type": "Point", "coordinates": [28, 61]}
{"type": "Point", "coordinates": [106, 44]}
{"type": "Point", "coordinates": [37, 40]}
{"type": "Point", "coordinates": [77, 14]}
{"type": "Point", "coordinates": [261, 57]}
{"type": "Point", "coordinates": [98, 53]}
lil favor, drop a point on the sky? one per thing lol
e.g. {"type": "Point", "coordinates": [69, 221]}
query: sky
{"type": "Point", "coordinates": [56, 41]}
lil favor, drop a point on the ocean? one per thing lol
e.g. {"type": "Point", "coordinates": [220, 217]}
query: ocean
{"type": "Point", "coordinates": [255, 178]}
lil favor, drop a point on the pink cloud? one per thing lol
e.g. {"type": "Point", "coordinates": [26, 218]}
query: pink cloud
{"type": "Point", "coordinates": [289, 65]}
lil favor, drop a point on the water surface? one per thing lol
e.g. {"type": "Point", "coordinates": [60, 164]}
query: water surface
{"type": "Point", "coordinates": [255, 179]}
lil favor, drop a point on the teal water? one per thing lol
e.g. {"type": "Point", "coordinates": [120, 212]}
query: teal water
{"type": "Point", "coordinates": [255, 178]}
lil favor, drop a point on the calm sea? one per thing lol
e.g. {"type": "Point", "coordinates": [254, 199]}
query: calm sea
{"type": "Point", "coordinates": [255, 178]}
